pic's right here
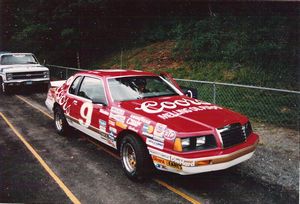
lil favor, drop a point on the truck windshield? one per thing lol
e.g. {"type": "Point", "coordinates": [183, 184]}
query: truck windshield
{"type": "Point", "coordinates": [18, 59]}
{"type": "Point", "coordinates": [139, 87]}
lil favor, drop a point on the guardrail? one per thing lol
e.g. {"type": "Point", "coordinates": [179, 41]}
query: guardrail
{"type": "Point", "coordinates": [261, 104]}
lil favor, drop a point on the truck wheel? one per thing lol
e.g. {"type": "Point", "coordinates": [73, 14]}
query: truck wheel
{"type": "Point", "coordinates": [2, 88]}
{"type": "Point", "coordinates": [60, 122]}
{"type": "Point", "coordinates": [136, 161]}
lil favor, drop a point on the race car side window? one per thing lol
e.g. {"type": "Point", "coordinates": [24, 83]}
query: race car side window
{"type": "Point", "coordinates": [73, 88]}
{"type": "Point", "coordinates": [92, 88]}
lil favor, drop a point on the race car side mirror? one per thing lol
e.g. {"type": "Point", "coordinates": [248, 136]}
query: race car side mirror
{"type": "Point", "coordinates": [190, 92]}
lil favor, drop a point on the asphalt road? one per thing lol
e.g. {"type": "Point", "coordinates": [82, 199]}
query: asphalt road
{"type": "Point", "coordinates": [92, 172]}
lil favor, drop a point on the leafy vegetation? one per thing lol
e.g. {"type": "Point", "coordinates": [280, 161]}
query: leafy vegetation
{"type": "Point", "coordinates": [247, 43]}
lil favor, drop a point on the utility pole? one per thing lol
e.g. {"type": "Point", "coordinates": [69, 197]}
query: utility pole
{"type": "Point", "coordinates": [121, 58]}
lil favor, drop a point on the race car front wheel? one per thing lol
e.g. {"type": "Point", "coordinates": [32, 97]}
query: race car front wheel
{"type": "Point", "coordinates": [60, 121]}
{"type": "Point", "coordinates": [135, 158]}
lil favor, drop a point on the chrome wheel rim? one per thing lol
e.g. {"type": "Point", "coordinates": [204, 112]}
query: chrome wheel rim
{"type": "Point", "coordinates": [58, 121]}
{"type": "Point", "coordinates": [129, 158]}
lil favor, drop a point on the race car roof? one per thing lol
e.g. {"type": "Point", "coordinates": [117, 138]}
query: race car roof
{"type": "Point", "coordinates": [117, 73]}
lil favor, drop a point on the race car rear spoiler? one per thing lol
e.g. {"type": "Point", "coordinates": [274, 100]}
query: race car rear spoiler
{"type": "Point", "coordinates": [57, 83]}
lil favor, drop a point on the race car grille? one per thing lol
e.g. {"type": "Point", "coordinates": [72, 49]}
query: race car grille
{"type": "Point", "coordinates": [28, 75]}
{"type": "Point", "coordinates": [232, 135]}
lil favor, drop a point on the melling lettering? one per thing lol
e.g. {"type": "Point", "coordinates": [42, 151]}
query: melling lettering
{"type": "Point", "coordinates": [154, 107]}
{"type": "Point", "coordinates": [179, 112]}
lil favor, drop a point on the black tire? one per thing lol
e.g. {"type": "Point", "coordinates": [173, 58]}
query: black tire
{"type": "Point", "coordinates": [61, 125]}
{"type": "Point", "coordinates": [136, 161]}
{"type": "Point", "coordinates": [2, 89]}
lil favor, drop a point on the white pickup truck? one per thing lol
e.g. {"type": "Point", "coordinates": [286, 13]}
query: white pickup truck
{"type": "Point", "coordinates": [18, 69]}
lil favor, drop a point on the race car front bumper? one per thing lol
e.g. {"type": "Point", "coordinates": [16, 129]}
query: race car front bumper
{"type": "Point", "coordinates": [184, 166]}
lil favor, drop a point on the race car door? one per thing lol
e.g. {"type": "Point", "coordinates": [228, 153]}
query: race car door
{"type": "Point", "coordinates": [92, 110]}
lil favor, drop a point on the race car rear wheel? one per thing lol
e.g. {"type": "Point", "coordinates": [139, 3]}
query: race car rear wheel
{"type": "Point", "coordinates": [135, 158]}
{"type": "Point", "coordinates": [60, 121]}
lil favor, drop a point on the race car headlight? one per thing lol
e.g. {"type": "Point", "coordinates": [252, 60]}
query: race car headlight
{"type": "Point", "coordinates": [185, 142]}
{"type": "Point", "coordinates": [247, 129]}
{"type": "Point", "coordinates": [200, 141]}
{"type": "Point", "coordinates": [9, 76]}
{"type": "Point", "coordinates": [195, 143]}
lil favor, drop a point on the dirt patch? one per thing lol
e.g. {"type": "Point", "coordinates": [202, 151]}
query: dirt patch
{"type": "Point", "coordinates": [152, 57]}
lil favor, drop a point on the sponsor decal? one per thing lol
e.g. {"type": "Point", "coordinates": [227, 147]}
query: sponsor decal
{"type": "Point", "coordinates": [112, 136]}
{"type": "Point", "coordinates": [159, 166]}
{"type": "Point", "coordinates": [169, 134]}
{"type": "Point", "coordinates": [159, 154]}
{"type": "Point", "coordinates": [112, 122]}
{"type": "Point", "coordinates": [62, 100]}
{"type": "Point", "coordinates": [117, 111]}
{"type": "Point", "coordinates": [121, 125]}
{"type": "Point", "coordinates": [167, 163]}
{"type": "Point", "coordinates": [158, 160]}
{"type": "Point", "coordinates": [133, 122]}
{"type": "Point", "coordinates": [108, 139]}
{"type": "Point", "coordinates": [189, 105]}
{"type": "Point", "coordinates": [179, 112]}
{"type": "Point", "coordinates": [103, 136]}
{"type": "Point", "coordinates": [155, 143]}
{"type": "Point", "coordinates": [182, 161]}
{"type": "Point", "coordinates": [102, 125]}
{"type": "Point", "coordinates": [161, 139]}
{"type": "Point", "coordinates": [148, 129]}
{"type": "Point", "coordinates": [120, 118]}
{"type": "Point", "coordinates": [141, 118]}
{"type": "Point", "coordinates": [112, 143]}
{"type": "Point", "coordinates": [113, 130]}
{"type": "Point", "coordinates": [174, 165]}
{"type": "Point", "coordinates": [105, 112]}
{"type": "Point", "coordinates": [159, 130]}
{"type": "Point", "coordinates": [172, 158]}
{"type": "Point", "coordinates": [133, 129]}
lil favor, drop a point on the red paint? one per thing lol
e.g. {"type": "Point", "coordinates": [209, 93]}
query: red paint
{"type": "Point", "coordinates": [186, 116]}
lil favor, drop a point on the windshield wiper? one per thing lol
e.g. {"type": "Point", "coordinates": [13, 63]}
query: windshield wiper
{"type": "Point", "coordinates": [173, 94]}
{"type": "Point", "coordinates": [31, 62]}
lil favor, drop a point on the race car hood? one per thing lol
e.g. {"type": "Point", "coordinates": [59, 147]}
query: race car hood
{"type": "Point", "coordinates": [184, 114]}
{"type": "Point", "coordinates": [22, 68]}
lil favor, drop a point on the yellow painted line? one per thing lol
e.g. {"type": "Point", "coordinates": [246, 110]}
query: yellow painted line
{"type": "Point", "coordinates": [45, 113]}
{"type": "Point", "coordinates": [71, 196]}
{"type": "Point", "coordinates": [184, 195]}
{"type": "Point", "coordinates": [162, 183]}
{"type": "Point", "coordinates": [104, 149]}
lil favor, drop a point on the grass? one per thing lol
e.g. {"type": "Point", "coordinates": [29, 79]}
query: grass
{"type": "Point", "coordinates": [259, 105]}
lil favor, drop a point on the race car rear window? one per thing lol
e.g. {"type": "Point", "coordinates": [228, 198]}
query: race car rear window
{"type": "Point", "coordinates": [92, 88]}
{"type": "Point", "coordinates": [73, 87]}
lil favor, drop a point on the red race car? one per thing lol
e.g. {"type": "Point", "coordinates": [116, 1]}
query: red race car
{"type": "Point", "coordinates": [151, 121]}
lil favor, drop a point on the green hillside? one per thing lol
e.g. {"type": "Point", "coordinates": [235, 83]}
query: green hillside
{"type": "Point", "coordinates": [255, 50]}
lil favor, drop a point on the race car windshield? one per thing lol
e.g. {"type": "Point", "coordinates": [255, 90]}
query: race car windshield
{"type": "Point", "coordinates": [18, 59]}
{"type": "Point", "coordinates": [139, 87]}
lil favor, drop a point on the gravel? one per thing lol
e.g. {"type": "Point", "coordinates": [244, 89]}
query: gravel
{"type": "Point", "coordinates": [276, 160]}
